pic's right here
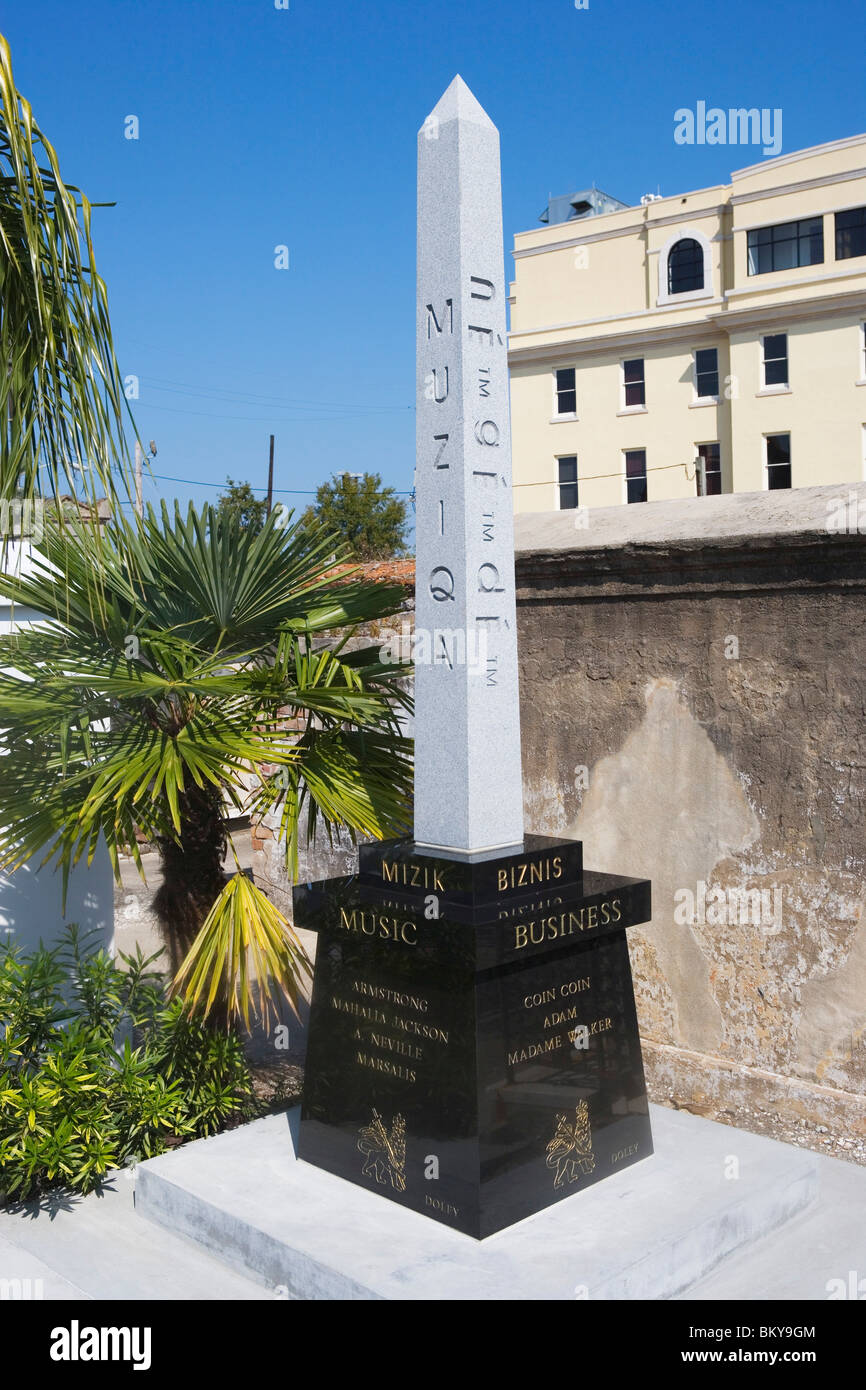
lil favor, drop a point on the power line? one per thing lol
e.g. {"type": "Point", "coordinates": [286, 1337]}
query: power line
{"type": "Point", "coordinates": [593, 477]}
{"type": "Point", "coordinates": [287, 491]}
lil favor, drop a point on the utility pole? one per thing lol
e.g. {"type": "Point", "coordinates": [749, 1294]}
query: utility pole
{"type": "Point", "coordinates": [139, 497]}
{"type": "Point", "coordinates": [271, 476]}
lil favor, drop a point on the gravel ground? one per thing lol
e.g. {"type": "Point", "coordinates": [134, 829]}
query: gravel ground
{"type": "Point", "coordinates": [804, 1134]}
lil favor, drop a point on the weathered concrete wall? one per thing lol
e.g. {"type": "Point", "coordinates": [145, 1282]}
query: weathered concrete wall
{"type": "Point", "coordinates": [693, 682]}
{"type": "Point", "coordinates": [693, 690]}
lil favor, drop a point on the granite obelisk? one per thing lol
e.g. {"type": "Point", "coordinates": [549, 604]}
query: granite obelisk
{"type": "Point", "coordinates": [434, 1077]}
{"type": "Point", "coordinates": [468, 797]}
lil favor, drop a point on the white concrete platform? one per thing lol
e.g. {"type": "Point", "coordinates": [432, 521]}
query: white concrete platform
{"type": "Point", "coordinates": [67, 1248]}
{"type": "Point", "coordinates": [813, 1256]}
{"type": "Point", "coordinates": [652, 1231]}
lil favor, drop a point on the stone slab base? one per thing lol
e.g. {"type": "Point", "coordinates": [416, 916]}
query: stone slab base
{"type": "Point", "coordinates": [648, 1232]}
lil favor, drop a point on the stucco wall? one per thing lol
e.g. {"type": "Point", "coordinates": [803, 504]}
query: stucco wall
{"type": "Point", "coordinates": [31, 899]}
{"type": "Point", "coordinates": [31, 904]}
{"type": "Point", "coordinates": [693, 688]}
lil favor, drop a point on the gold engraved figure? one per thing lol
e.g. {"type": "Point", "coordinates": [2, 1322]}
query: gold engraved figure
{"type": "Point", "coordinates": [570, 1149]}
{"type": "Point", "coordinates": [385, 1151]}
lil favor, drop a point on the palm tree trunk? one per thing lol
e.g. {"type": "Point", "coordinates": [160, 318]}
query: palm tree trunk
{"type": "Point", "coordinates": [192, 871]}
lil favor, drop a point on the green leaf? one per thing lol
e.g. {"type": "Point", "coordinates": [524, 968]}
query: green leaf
{"type": "Point", "coordinates": [246, 954]}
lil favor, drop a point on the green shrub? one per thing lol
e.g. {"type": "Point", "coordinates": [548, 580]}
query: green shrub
{"type": "Point", "coordinates": [98, 1069]}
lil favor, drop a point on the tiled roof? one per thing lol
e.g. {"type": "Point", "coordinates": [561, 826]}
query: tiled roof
{"type": "Point", "coordinates": [400, 571]}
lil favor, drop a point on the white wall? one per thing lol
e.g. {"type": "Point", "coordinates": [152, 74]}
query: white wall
{"type": "Point", "coordinates": [30, 903]}
{"type": "Point", "coordinates": [30, 900]}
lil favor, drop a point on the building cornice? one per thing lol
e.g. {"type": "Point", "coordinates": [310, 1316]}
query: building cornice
{"type": "Point", "coordinates": [793, 310]}
{"type": "Point", "coordinates": [845, 143]}
{"type": "Point", "coordinates": [612, 318]}
{"type": "Point", "coordinates": [715, 210]}
{"type": "Point", "coordinates": [709, 326]}
{"type": "Point", "coordinates": [779, 190]}
{"type": "Point", "coordinates": [774, 286]}
{"type": "Point", "coordinates": [550, 354]}
{"type": "Point", "coordinates": [645, 220]}
{"type": "Point", "coordinates": [641, 225]}
{"type": "Point", "coordinates": [566, 243]}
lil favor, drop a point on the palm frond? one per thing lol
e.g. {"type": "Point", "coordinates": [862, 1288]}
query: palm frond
{"type": "Point", "coordinates": [62, 405]}
{"type": "Point", "coordinates": [207, 679]}
{"type": "Point", "coordinates": [243, 950]}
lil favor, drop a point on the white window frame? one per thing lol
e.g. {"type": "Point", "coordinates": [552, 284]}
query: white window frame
{"type": "Point", "coordinates": [557, 459]}
{"type": "Point", "coordinates": [705, 400]}
{"type": "Point", "coordinates": [706, 444]}
{"type": "Point", "coordinates": [631, 409]}
{"type": "Point", "coordinates": [568, 414]}
{"type": "Point", "coordinates": [639, 449]}
{"type": "Point", "coordinates": [773, 434]}
{"type": "Point", "coordinates": [682, 234]}
{"type": "Point", "coordinates": [779, 387]}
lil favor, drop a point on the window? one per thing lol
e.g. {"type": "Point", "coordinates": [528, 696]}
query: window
{"type": "Point", "coordinates": [863, 353]}
{"type": "Point", "coordinates": [709, 478]}
{"type": "Point", "coordinates": [633, 382]}
{"type": "Point", "coordinates": [685, 266]}
{"type": "Point", "coordinates": [566, 391]}
{"type": "Point", "coordinates": [707, 372]}
{"type": "Point", "coordinates": [850, 234]}
{"type": "Point", "coordinates": [778, 460]}
{"type": "Point", "coordinates": [786, 246]}
{"type": "Point", "coordinates": [567, 482]}
{"type": "Point", "coordinates": [635, 475]}
{"type": "Point", "coordinates": [776, 359]}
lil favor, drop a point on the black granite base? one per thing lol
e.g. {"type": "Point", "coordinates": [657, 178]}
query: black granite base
{"type": "Point", "coordinates": [473, 1047]}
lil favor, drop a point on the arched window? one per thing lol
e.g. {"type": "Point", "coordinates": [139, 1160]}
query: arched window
{"type": "Point", "coordinates": [685, 266]}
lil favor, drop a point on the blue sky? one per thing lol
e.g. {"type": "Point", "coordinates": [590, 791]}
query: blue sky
{"type": "Point", "coordinates": [262, 127]}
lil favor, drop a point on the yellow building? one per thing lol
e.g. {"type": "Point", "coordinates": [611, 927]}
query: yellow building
{"type": "Point", "coordinates": [711, 341]}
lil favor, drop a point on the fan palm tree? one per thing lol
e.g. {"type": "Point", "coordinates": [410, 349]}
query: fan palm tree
{"type": "Point", "coordinates": [62, 405]}
{"type": "Point", "coordinates": [166, 706]}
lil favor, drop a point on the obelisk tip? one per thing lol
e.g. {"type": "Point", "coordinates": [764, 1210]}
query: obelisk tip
{"type": "Point", "coordinates": [457, 103]}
